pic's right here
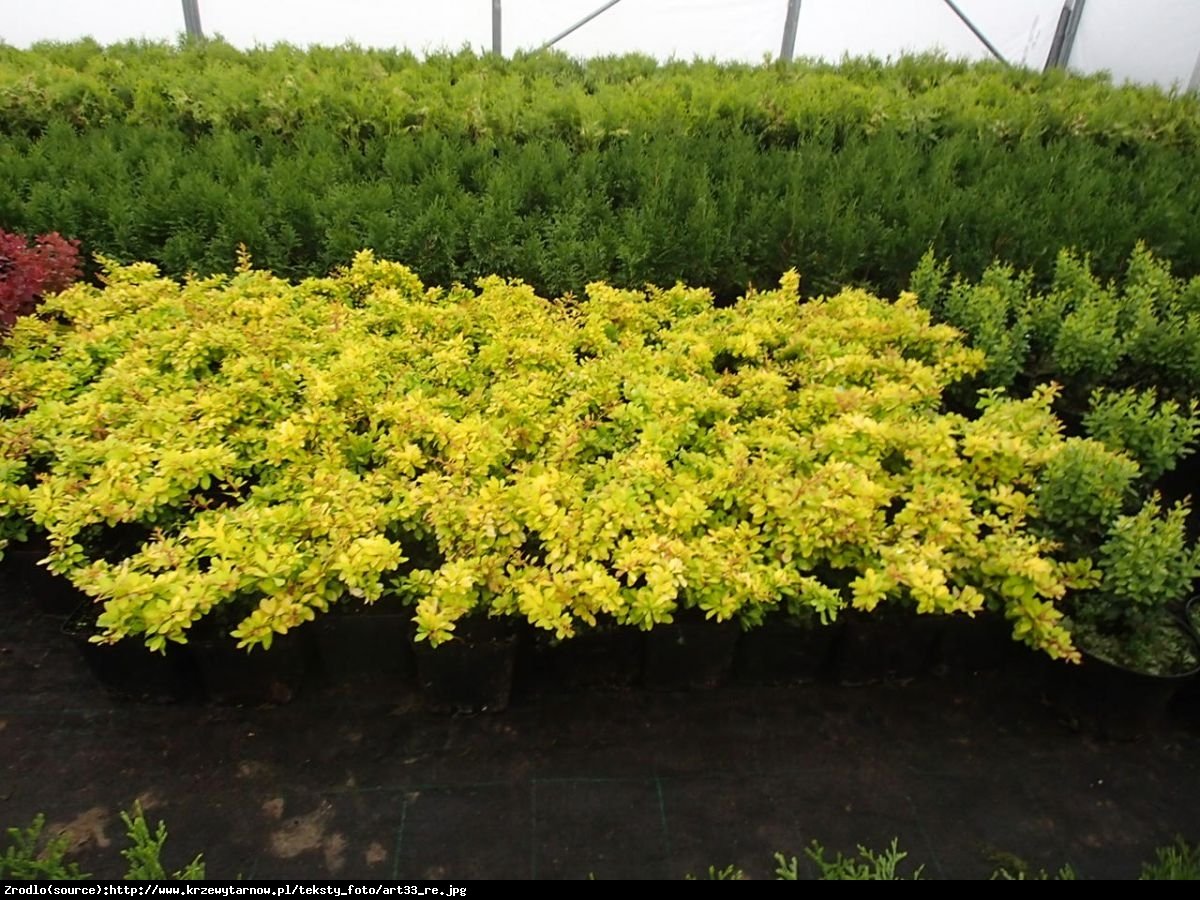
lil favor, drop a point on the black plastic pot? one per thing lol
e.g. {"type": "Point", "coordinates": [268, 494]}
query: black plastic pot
{"type": "Point", "coordinates": [1107, 700]}
{"type": "Point", "coordinates": [784, 650]}
{"type": "Point", "coordinates": [602, 658]}
{"type": "Point", "coordinates": [234, 677]}
{"type": "Point", "coordinates": [1187, 697]}
{"type": "Point", "coordinates": [983, 643]}
{"type": "Point", "coordinates": [128, 670]}
{"type": "Point", "coordinates": [23, 576]}
{"type": "Point", "coordinates": [885, 647]}
{"type": "Point", "coordinates": [472, 673]}
{"type": "Point", "coordinates": [689, 653]}
{"type": "Point", "coordinates": [364, 644]}
{"type": "Point", "coordinates": [1112, 701]}
{"type": "Point", "coordinates": [1191, 618]}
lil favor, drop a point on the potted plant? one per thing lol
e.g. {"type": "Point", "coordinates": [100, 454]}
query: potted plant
{"type": "Point", "coordinates": [272, 671]}
{"type": "Point", "coordinates": [650, 459]}
{"type": "Point", "coordinates": [127, 669]}
{"type": "Point", "coordinates": [358, 641]}
{"type": "Point", "coordinates": [885, 645]}
{"type": "Point", "coordinates": [690, 652]}
{"type": "Point", "coordinates": [23, 574]}
{"type": "Point", "coordinates": [605, 655]}
{"type": "Point", "coordinates": [968, 645]}
{"type": "Point", "coordinates": [464, 649]}
{"type": "Point", "coordinates": [790, 646]}
{"type": "Point", "coordinates": [1131, 627]}
{"type": "Point", "coordinates": [472, 671]}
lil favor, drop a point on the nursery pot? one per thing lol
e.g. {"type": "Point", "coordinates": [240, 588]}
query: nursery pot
{"type": "Point", "coordinates": [1109, 700]}
{"type": "Point", "coordinates": [471, 673]}
{"type": "Point", "coordinates": [127, 669]}
{"type": "Point", "coordinates": [689, 653]}
{"type": "Point", "coordinates": [24, 577]}
{"type": "Point", "coordinates": [237, 677]}
{"type": "Point", "coordinates": [786, 650]}
{"type": "Point", "coordinates": [1188, 695]}
{"type": "Point", "coordinates": [884, 646]}
{"type": "Point", "coordinates": [1191, 618]}
{"type": "Point", "coordinates": [360, 644]}
{"type": "Point", "coordinates": [982, 643]}
{"type": "Point", "coordinates": [602, 657]}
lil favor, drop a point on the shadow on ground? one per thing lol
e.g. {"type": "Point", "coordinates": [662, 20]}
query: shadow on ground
{"type": "Point", "coordinates": [360, 782]}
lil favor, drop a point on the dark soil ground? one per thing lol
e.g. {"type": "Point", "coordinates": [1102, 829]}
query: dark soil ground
{"type": "Point", "coordinates": [570, 783]}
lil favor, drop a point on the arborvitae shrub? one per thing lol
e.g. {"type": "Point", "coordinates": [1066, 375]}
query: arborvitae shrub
{"type": "Point", "coordinates": [561, 171]}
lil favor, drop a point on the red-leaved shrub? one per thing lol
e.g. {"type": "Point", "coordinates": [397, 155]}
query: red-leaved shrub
{"type": "Point", "coordinates": [30, 271]}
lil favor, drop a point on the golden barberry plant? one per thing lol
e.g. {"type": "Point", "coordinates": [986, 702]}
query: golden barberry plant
{"type": "Point", "coordinates": [242, 446]}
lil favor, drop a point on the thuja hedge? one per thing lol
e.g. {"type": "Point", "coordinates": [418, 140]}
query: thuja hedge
{"type": "Point", "coordinates": [563, 172]}
{"type": "Point", "coordinates": [716, 210]}
{"type": "Point", "coordinates": [211, 86]}
{"type": "Point", "coordinates": [255, 452]}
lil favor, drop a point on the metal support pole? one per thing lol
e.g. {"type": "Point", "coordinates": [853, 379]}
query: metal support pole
{"type": "Point", "coordinates": [975, 31]}
{"type": "Point", "coordinates": [1060, 31]}
{"type": "Point", "coordinates": [191, 19]}
{"type": "Point", "coordinates": [496, 28]}
{"type": "Point", "coordinates": [1064, 58]}
{"type": "Point", "coordinates": [562, 34]}
{"type": "Point", "coordinates": [790, 23]}
{"type": "Point", "coordinates": [1194, 83]}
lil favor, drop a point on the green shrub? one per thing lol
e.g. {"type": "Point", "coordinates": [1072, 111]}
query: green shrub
{"type": "Point", "coordinates": [1156, 435]}
{"type": "Point", "coordinates": [200, 89]}
{"type": "Point", "coordinates": [867, 866]}
{"type": "Point", "coordinates": [1177, 862]}
{"type": "Point", "coordinates": [1148, 567]}
{"type": "Point", "coordinates": [29, 855]}
{"type": "Point", "coordinates": [1141, 333]}
{"type": "Point", "coordinates": [561, 172]}
{"type": "Point", "coordinates": [255, 451]}
{"type": "Point", "coordinates": [1127, 355]}
{"type": "Point", "coordinates": [984, 312]}
{"type": "Point", "coordinates": [32, 855]}
{"type": "Point", "coordinates": [728, 873]}
{"type": "Point", "coordinates": [143, 856]}
{"type": "Point", "coordinates": [1147, 556]}
{"type": "Point", "coordinates": [1084, 488]}
{"type": "Point", "coordinates": [1021, 872]}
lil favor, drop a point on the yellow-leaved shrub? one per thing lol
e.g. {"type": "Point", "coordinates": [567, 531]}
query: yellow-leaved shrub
{"type": "Point", "coordinates": [244, 446]}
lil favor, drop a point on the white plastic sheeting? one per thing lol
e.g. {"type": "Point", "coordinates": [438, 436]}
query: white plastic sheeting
{"type": "Point", "coordinates": [1151, 41]}
{"type": "Point", "coordinates": [828, 29]}
{"type": "Point", "coordinates": [1142, 40]}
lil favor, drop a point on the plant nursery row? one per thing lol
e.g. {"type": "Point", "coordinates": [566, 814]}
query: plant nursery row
{"type": "Point", "coordinates": [246, 454]}
{"type": "Point", "coordinates": [211, 86]}
{"type": "Point", "coordinates": [561, 173]}
{"type": "Point", "coordinates": [975, 408]}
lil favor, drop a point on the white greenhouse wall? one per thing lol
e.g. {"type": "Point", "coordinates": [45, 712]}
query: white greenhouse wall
{"type": "Point", "coordinates": [1142, 40]}
{"type": "Point", "coordinates": [1150, 41]}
